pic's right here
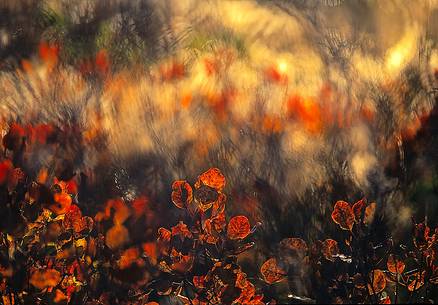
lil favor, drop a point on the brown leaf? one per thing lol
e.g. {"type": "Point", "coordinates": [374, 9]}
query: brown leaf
{"type": "Point", "coordinates": [343, 215]}
{"type": "Point", "coordinates": [238, 227]}
{"type": "Point", "coordinates": [271, 272]}
{"type": "Point", "coordinates": [295, 244]}
{"type": "Point", "coordinates": [359, 281]}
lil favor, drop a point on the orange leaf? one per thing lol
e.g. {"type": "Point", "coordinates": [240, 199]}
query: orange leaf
{"type": "Point", "coordinates": [182, 230]}
{"type": "Point", "coordinates": [122, 211]}
{"type": "Point", "coordinates": [369, 212]}
{"type": "Point", "coordinates": [271, 272]}
{"type": "Point", "coordinates": [395, 265]}
{"type": "Point", "coordinates": [343, 215]}
{"type": "Point", "coordinates": [150, 249]}
{"type": "Point", "coordinates": [212, 178]}
{"type": "Point", "coordinates": [59, 296]}
{"type": "Point", "coordinates": [116, 236]}
{"type": "Point", "coordinates": [238, 227]}
{"type": "Point", "coordinates": [182, 194]}
{"type": "Point", "coordinates": [42, 279]}
{"type": "Point", "coordinates": [62, 203]}
{"type": "Point", "coordinates": [417, 281]}
{"type": "Point", "coordinates": [42, 175]}
{"type": "Point", "coordinates": [358, 209]}
{"type": "Point", "coordinates": [378, 280]}
{"type": "Point", "coordinates": [386, 300]}
{"type": "Point", "coordinates": [128, 257]}
{"type": "Point", "coordinates": [164, 235]}
{"type": "Point", "coordinates": [330, 249]}
{"type": "Point", "coordinates": [181, 263]}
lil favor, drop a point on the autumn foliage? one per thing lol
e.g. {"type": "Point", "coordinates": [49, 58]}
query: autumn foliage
{"type": "Point", "coordinates": [56, 250]}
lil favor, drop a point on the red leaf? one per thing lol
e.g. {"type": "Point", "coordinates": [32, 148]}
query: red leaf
{"type": "Point", "coordinates": [238, 227]}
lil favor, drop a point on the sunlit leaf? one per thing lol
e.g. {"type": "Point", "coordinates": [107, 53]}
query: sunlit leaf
{"type": "Point", "coordinates": [212, 178]}
{"type": "Point", "coordinates": [180, 262]}
{"type": "Point", "coordinates": [271, 272]}
{"type": "Point", "coordinates": [182, 194]}
{"type": "Point", "coordinates": [164, 235]}
{"type": "Point", "coordinates": [378, 280]}
{"type": "Point", "coordinates": [181, 230]}
{"type": "Point", "coordinates": [238, 227]}
{"type": "Point", "coordinates": [358, 210]}
{"type": "Point", "coordinates": [343, 215]}
{"type": "Point", "coordinates": [369, 212]}
{"type": "Point", "coordinates": [416, 281]}
{"type": "Point", "coordinates": [330, 249]}
{"type": "Point", "coordinates": [395, 265]}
